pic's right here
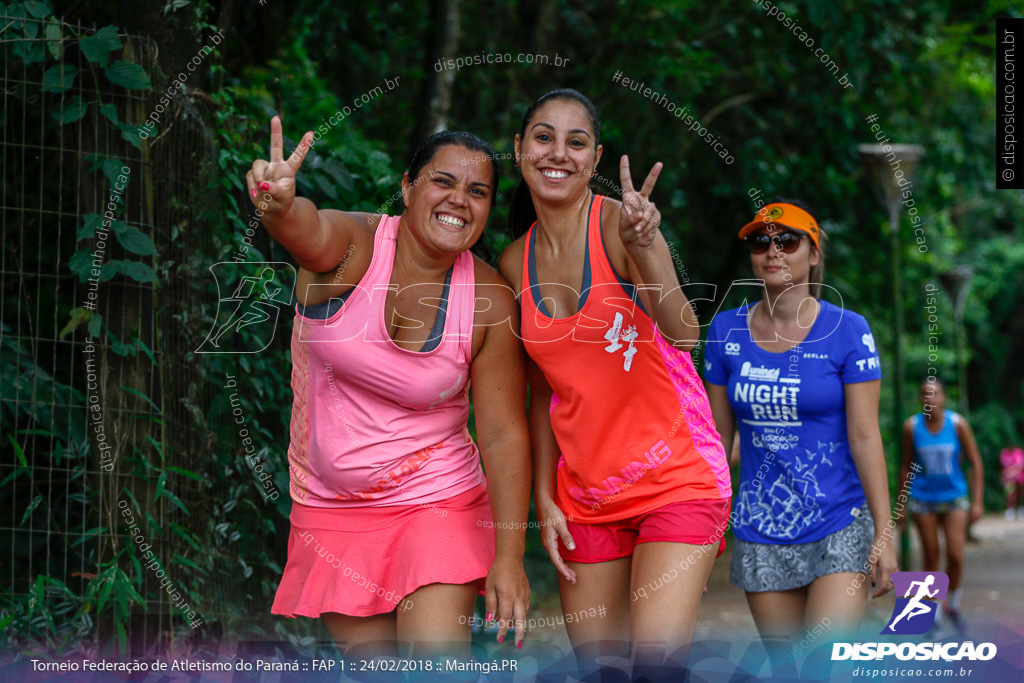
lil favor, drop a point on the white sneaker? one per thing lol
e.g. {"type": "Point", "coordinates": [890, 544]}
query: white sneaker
{"type": "Point", "coordinates": [1011, 513]}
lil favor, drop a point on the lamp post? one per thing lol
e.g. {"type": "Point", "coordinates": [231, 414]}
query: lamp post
{"type": "Point", "coordinates": [881, 162]}
{"type": "Point", "coordinates": [956, 283]}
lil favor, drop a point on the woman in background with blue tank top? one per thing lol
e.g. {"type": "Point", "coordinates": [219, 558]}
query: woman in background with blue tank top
{"type": "Point", "coordinates": [933, 443]}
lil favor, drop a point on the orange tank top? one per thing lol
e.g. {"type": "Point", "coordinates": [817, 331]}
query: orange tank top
{"type": "Point", "coordinates": [629, 412]}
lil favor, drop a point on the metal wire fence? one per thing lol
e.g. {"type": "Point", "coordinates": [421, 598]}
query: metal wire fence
{"type": "Point", "coordinates": [104, 408]}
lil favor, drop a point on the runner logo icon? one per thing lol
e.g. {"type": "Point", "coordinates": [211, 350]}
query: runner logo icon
{"type": "Point", "coordinates": [917, 594]}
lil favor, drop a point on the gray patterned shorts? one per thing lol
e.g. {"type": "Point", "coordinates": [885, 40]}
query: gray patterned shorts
{"type": "Point", "coordinates": [925, 507]}
{"type": "Point", "coordinates": [761, 567]}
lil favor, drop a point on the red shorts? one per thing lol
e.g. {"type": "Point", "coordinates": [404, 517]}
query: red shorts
{"type": "Point", "coordinates": [698, 522]}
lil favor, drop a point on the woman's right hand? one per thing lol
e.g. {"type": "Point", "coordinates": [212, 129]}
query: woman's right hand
{"type": "Point", "coordinates": [272, 183]}
{"type": "Point", "coordinates": [553, 527]}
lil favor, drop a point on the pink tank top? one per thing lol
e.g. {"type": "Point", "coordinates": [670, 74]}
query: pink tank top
{"type": "Point", "coordinates": [373, 423]}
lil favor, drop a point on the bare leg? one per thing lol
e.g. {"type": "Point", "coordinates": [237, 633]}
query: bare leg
{"type": "Point", "coordinates": [664, 621]}
{"type": "Point", "coordinates": [778, 615]}
{"type": "Point", "coordinates": [928, 529]}
{"type": "Point", "coordinates": [954, 526]}
{"type": "Point", "coordinates": [601, 584]}
{"type": "Point", "coordinates": [837, 601]}
{"type": "Point", "coordinates": [431, 625]}
{"type": "Point", "coordinates": [370, 636]}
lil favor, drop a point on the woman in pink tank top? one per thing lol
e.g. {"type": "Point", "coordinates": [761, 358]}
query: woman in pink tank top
{"type": "Point", "coordinates": [394, 529]}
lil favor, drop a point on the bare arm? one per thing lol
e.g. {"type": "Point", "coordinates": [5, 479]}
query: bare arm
{"type": "Point", "coordinates": [721, 411]}
{"type": "Point", "coordinates": [499, 400]}
{"type": "Point", "coordinates": [543, 444]}
{"type": "Point", "coordinates": [649, 261]}
{"type": "Point", "coordinates": [317, 240]}
{"type": "Point", "coordinates": [542, 438]}
{"type": "Point", "coordinates": [545, 467]}
{"type": "Point", "coordinates": [865, 440]}
{"type": "Point", "coordinates": [652, 267]}
{"type": "Point", "coordinates": [970, 447]}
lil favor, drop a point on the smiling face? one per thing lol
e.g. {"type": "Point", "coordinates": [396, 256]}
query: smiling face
{"type": "Point", "coordinates": [448, 204]}
{"type": "Point", "coordinates": [557, 151]}
{"type": "Point", "coordinates": [779, 269]}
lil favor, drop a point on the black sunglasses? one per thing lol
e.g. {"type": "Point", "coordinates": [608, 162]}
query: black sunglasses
{"type": "Point", "coordinates": [786, 242]}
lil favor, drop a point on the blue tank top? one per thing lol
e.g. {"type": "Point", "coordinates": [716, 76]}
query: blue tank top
{"type": "Point", "coordinates": [940, 478]}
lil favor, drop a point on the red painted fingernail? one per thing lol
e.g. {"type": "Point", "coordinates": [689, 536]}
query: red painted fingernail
{"type": "Point", "coordinates": [500, 638]}
{"type": "Point", "coordinates": [488, 616]}
{"type": "Point", "coordinates": [254, 192]}
{"type": "Point", "coordinates": [264, 186]}
{"type": "Point", "coordinates": [520, 645]}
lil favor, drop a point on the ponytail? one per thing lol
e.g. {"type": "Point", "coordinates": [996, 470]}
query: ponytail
{"type": "Point", "coordinates": [521, 214]}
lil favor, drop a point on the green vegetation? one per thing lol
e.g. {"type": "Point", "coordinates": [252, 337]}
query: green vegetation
{"type": "Point", "coordinates": [925, 69]}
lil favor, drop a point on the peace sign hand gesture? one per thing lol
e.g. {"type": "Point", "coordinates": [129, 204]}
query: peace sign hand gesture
{"type": "Point", "coordinates": [638, 217]}
{"type": "Point", "coordinates": [272, 183]}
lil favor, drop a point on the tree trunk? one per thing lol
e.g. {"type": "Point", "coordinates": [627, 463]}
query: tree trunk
{"type": "Point", "coordinates": [442, 40]}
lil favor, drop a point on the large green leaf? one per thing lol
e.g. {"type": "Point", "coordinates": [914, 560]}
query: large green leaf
{"type": "Point", "coordinates": [131, 134]}
{"type": "Point", "coordinates": [95, 320]}
{"type": "Point", "coordinates": [110, 111]}
{"type": "Point", "coordinates": [128, 75]}
{"type": "Point", "coordinates": [73, 109]}
{"type": "Point", "coordinates": [97, 47]}
{"type": "Point", "coordinates": [55, 39]}
{"type": "Point", "coordinates": [136, 242]}
{"type": "Point", "coordinates": [107, 271]}
{"type": "Point", "coordinates": [59, 78]}
{"type": "Point", "coordinates": [90, 224]}
{"type": "Point", "coordinates": [39, 10]}
{"type": "Point", "coordinates": [81, 264]}
{"type": "Point", "coordinates": [136, 270]}
{"type": "Point", "coordinates": [112, 168]}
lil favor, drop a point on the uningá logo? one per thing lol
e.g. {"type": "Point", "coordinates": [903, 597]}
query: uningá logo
{"type": "Point", "coordinates": [917, 596]}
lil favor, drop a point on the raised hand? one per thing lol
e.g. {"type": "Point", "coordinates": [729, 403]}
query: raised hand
{"type": "Point", "coordinates": [639, 217]}
{"type": "Point", "coordinates": [272, 183]}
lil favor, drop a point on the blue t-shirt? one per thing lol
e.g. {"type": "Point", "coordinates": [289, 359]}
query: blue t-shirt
{"type": "Point", "coordinates": [940, 478]}
{"type": "Point", "coordinates": [798, 481]}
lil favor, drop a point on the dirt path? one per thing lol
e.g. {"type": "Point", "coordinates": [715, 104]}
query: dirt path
{"type": "Point", "coordinates": [993, 588]}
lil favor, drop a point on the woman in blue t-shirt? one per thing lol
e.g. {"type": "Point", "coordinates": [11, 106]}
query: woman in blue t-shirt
{"type": "Point", "coordinates": [799, 377]}
{"type": "Point", "coordinates": [933, 443]}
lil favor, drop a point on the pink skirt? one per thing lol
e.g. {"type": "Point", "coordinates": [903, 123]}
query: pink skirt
{"type": "Point", "coordinates": [365, 561]}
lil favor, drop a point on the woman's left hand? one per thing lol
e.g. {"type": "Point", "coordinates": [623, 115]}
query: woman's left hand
{"type": "Point", "coordinates": [508, 596]}
{"type": "Point", "coordinates": [638, 216]}
{"type": "Point", "coordinates": [883, 563]}
{"type": "Point", "coordinates": [977, 511]}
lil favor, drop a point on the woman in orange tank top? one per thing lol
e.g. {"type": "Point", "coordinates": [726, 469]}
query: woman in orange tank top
{"type": "Point", "coordinates": [631, 482]}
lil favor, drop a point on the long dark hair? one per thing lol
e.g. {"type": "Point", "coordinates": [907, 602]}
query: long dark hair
{"type": "Point", "coordinates": [521, 213]}
{"type": "Point", "coordinates": [460, 138]}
